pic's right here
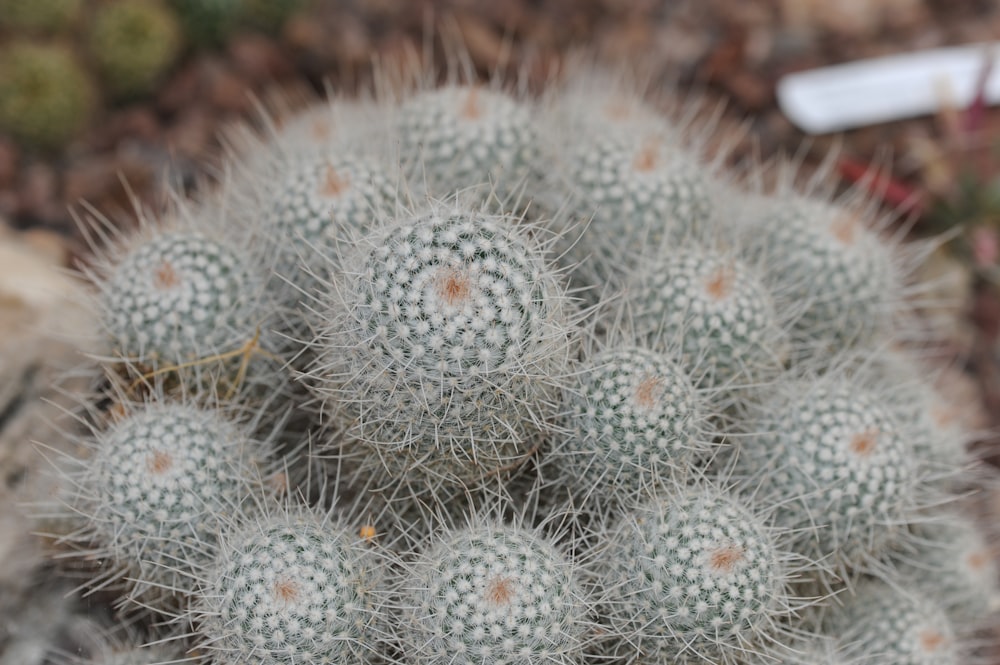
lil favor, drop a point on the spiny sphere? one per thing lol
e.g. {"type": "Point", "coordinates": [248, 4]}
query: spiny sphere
{"type": "Point", "coordinates": [180, 296]}
{"type": "Point", "coordinates": [451, 344]}
{"type": "Point", "coordinates": [159, 484]}
{"type": "Point", "coordinates": [292, 590]}
{"type": "Point", "coordinates": [318, 198]}
{"type": "Point", "coordinates": [834, 461]}
{"type": "Point", "coordinates": [635, 422]}
{"type": "Point", "coordinates": [954, 564]}
{"type": "Point", "coordinates": [884, 624]}
{"type": "Point", "coordinates": [457, 137]}
{"type": "Point", "coordinates": [824, 256]}
{"type": "Point", "coordinates": [695, 573]}
{"type": "Point", "coordinates": [640, 193]}
{"type": "Point", "coordinates": [715, 309]}
{"type": "Point", "coordinates": [493, 595]}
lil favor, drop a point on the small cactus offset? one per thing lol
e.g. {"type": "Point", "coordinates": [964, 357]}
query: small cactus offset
{"type": "Point", "coordinates": [133, 44]}
{"type": "Point", "coordinates": [490, 594]}
{"type": "Point", "coordinates": [46, 98]}
{"type": "Point", "coordinates": [455, 374]}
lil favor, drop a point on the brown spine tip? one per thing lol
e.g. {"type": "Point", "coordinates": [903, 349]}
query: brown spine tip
{"type": "Point", "coordinates": [159, 462]}
{"type": "Point", "coordinates": [845, 227]}
{"type": "Point", "coordinates": [864, 443]}
{"type": "Point", "coordinates": [500, 590]}
{"type": "Point", "coordinates": [932, 640]}
{"type": "Point", "coordinates": [453, 286]}
{"type": "Point", "coordinates": [165, 277]}
{"type": "Point", "coordinates": [648, 392]}
{"type": "Point", "coordinates": [720, 283]}
{"type": "Point", "coordinates": [286, 590]}
{"type": "Point", "coordinates": [471, 109]}
{"type": "Point", "coordinates": [724, 559]}
{"type": "Point", "coordinates": [334, 184]}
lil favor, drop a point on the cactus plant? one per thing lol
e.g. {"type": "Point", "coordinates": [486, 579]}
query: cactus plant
{"type": "Point", "coordinates": [133, 44]}
{"type": "Point", "coordinates": [457, 137]}
{"type": "Point", "coordinates": [716, 309]}
{"type": "Point", "coordinates": [445, 346]}
{"type": "Point", "coordinates": [292, 587]}
{"type": "Point", "coordinates": [635, 422]}
{"type": "Point", "coordinates": [178, 299]}
{"type": "Point", "coordinates": [45, 96]}
{"type": "Point", "coordinates": [157, 487]}
{"type": "Point", "coordinates": [833, 459]}
{"type": "Point", "coordinates": [490, 594]}
{"type": "Point", "coordinates": [883, 622]}
{"type": "Point", "coordinates": [681, 472]}
{"type": "Point", "coordinates": [694, 573]}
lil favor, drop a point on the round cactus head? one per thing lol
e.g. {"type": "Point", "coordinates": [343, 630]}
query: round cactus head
{"type": "Point", "coordinates": [881, 621]}
{"type": "Point", "coordinates": [133, 44]}
{"type": "Point", "coordinates": [715, 309]}
{"type": "Point", "coordinates": [292, 588]}
{"type": "Point", "coordinates": [833, 459]}
{"type": "Point", "coordinates": [842, 280]}
{"type": "Point", "coordinates": [489, 594]}
{"type": "Point", "coordinates": [181, 302]}
{"type": "Point", "coordinates": [158, 485]}
{"type": "Point", "coordinates": [446, 346]}
{"type": "Point", "coordinates": [46, 98]}
{"type": "Point", "coordinates": [695, 573]}
{"type": "Point", "coordinates": [634, 422]}
{"type": "Point", "coordinates": [460, 137]}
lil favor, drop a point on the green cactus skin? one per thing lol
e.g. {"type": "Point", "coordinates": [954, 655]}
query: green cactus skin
{"type": "Point", "coordinates": [832, 457]}
{"type": "Point", "coordinates": [158, 487]}
{"type": "Point", "coordinates": [635, 423]}
{"type": "Point", "coordinates": [695, 573]}
{"type": "Point", "coordinates": [39, 16]}
{"type": "Point", "coordinates": [45, 97]}
{"type": "Point", "coordinates": [716, 309]}
{"type": "Point", "coordinates": [884, 624]}
{"type": "Point", "coordinates": [447, 346]}
{"type": "Point", "coordinates": [293, 589]}
{"type": "Point", "coordinates": [491, 595]}
{"type": "Point", "coordinates": [461, 137]}
{"type": "Point", "coordinates": [133, 43]}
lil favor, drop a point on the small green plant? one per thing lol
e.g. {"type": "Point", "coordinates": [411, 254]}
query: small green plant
{"type": "Point", "coordinates": [46, 98]}
{"type": "Point", "coordinates": [133, 44]}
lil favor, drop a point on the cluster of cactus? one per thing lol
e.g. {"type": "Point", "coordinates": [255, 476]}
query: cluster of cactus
{"type": "Point", "coordinates": [457, 374]}
{"type": "Point", "coordinates": [48, 91]}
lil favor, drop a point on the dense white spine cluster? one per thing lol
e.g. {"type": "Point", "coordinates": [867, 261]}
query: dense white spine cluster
{"type": "Point", "coordinates": [445, 346]}
{"type": "Point", "coordinates": [694, 573]}
{"type": "Point", "coordinates": [551, 311]}
{"type": "Point", "coordinates": [158, 486]}
{"type": "Point", "coordinates": [292, 589]}
{"type": "Point", "coordinates": [832, 459]}
{"type": "Point", "coordinates": [635, 423]}
{"type": "Point", "coordinates": [493, 595]}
